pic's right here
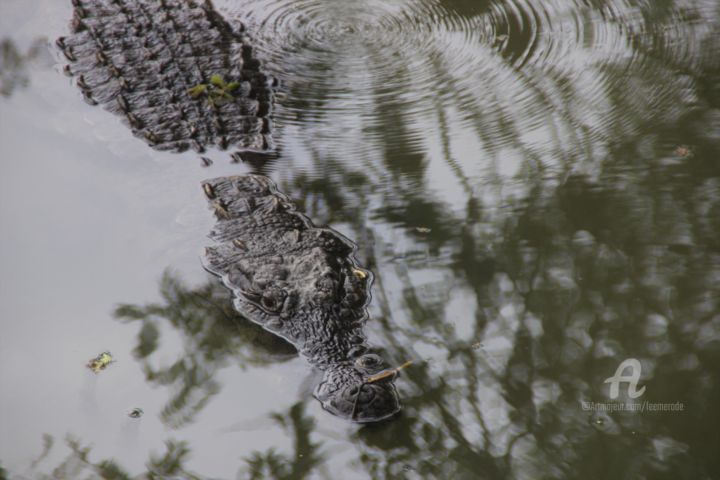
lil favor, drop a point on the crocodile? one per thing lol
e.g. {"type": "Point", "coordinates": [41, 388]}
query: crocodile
{"type": "Point", "coordinates": [304, 284]}
{"type": "Point", "coordinates": [142, 59]}
{"type": "Point", "coordinates": [154, 63]}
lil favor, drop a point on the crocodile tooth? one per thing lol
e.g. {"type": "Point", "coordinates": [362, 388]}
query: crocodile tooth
{"type": "Point", "coordinates": [206, 162]}
{"type": "Point", "coordinates": [60, 43]}
{"type": "Point", "coordinates": [237, 158]}
{"type": "Point", "coordinates": [67, 71]}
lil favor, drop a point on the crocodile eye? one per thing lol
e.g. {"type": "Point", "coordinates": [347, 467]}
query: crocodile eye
{"type": "Point", "coordinates": [272, 300]}
{"type": "Point", "coordinates": [369, 361]}
{"type": "Point", "coordinates": [269, 303]}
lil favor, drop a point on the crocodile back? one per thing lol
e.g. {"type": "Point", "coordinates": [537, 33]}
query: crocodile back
{"type": "Point", "coordinates": [178, 74]}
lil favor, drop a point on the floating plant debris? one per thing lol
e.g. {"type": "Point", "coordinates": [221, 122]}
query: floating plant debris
{"type": "Point", "coordinates": [100, 362]}
{"type": "Point", "coordinates": [388, 373]}
{"type": "Point", "coordinates": [136, 413]}
{"type": "Point", "coordinates": [218, 91]}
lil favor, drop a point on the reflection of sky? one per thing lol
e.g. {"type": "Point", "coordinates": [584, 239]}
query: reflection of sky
{"type": "Point", "coordinates": [90, 216]}
{"type": "Point", "coordinates": [84, 228]}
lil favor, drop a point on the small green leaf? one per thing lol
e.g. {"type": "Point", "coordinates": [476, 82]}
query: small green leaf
{"type": "Point", "coordinates": [232, 86]}
{"type": "Point", "coordinates": [197, 90]}
{"type": "Point", "coordinates": [218, 81]}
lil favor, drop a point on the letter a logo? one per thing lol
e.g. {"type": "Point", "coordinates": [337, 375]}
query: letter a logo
{"type": "Point", "coordinates": [631, 379]}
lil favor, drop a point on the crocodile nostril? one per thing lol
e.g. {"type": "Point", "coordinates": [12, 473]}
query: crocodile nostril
{"type": "Point", "coordinates": [369, 361]}
{"type": "Point", "coordinates": [356, 351]}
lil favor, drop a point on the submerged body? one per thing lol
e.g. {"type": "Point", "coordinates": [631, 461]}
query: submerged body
{"type": "Point", "coordinates": [300, 282]}
{"type": "Point", "coordinates": [180, 75]}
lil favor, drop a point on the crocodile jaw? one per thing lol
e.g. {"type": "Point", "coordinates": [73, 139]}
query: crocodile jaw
{"type": "Point", "coordinates": [345, 392]}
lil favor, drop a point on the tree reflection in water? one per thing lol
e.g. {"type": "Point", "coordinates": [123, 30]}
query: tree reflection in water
{"type": "Point", "coordinates": [299, 464]}
{"type": "Point", "coordinates": [568, 282]}
{"type": "Point", "coordinates": [601, 246]}
{"type": "Point", "coordinates": [305, 458]}
{"type": "Point", "coordinates": [14, 64]}
{"type": "Point", "coordinates": [213, 335]}
{"type": "Point", "coordinates": [571, 274]}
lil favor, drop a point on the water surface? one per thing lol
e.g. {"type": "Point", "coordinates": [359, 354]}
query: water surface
{"type": "Point", "coordinates": [536, 186]}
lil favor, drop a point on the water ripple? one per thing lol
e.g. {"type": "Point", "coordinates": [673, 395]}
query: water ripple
{"type": "Point", "coordinates": [584, 68]}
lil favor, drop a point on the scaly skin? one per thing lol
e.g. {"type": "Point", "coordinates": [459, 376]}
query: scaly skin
{"type": "Point", "coordinates": [302, 283]}
{"type": "Point", "coordinates": [140, 58]}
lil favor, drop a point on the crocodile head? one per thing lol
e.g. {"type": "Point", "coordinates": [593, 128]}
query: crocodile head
{"type": "Point", "coordinates": [348, 390]}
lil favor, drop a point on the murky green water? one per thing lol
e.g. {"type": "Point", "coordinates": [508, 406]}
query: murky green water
{"type": "Point", "coordinates": [536, 186]}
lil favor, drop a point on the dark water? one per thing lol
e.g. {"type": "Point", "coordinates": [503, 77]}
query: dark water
{"type": "Point", "coordinates": [536, 186]}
